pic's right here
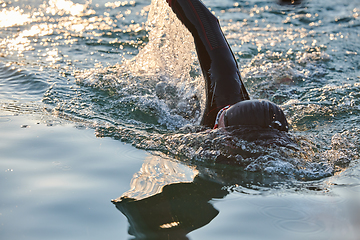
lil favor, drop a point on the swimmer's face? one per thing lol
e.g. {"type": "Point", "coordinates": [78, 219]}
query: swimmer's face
{"type": "Point", "coordinates": [221, 120]}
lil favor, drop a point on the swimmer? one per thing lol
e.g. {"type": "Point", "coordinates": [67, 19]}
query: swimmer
{"type": "Point", "coordinates": [227, 100]}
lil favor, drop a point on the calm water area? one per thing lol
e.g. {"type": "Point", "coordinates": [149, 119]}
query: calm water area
{"type": "Point", "coordinates": [100, 104]}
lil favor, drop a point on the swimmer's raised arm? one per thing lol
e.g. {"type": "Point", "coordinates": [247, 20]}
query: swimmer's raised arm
{"type": "Point", "coordinates": [227, 101]}
{"type": "Point", "coordinates": [222, 78]}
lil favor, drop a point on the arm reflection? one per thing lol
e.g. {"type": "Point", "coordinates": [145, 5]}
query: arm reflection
{"type": "Point", "coordinates": [167, 200]}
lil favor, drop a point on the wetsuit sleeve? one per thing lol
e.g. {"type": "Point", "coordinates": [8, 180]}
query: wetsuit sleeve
{"type": "Point", "coordinates": [218, 64]}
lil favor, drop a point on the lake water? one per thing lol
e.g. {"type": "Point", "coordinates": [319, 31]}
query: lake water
{"type": "Point", "coordinates": [100, 104]}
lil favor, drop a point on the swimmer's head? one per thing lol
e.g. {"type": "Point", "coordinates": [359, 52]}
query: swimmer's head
{"type": "Point", "coordinates": [259, 113]}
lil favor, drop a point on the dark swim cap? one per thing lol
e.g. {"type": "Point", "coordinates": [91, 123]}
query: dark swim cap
{"type": "Point", "coordinates": [259, 113]}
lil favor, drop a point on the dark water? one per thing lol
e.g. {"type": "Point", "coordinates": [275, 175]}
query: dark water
{"type": "Point", "coordinates": [127, 71]}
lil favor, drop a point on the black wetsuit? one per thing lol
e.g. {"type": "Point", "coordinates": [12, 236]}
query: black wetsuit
{"type": "Point", "coordinates": [223, 82]}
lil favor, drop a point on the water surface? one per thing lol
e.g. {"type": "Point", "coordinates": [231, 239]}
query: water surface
{"type": "Point", "coordinates": [102, 101]}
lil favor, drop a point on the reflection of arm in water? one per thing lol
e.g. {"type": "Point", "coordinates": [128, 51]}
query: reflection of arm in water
{"type": "Point", "coordinates": [224, 87]}
{"type": "Point", "coordinates": [168, 199]}
{"type": "Point", "coordinates": [174, 212]}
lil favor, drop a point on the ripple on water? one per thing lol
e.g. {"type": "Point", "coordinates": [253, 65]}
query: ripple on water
{"type": "Point", "coordinates": [300, 226]}
{"type": "Point", "coordinates": [131, 153]}
{"type": "Point", "coordinates": [17, 84]}
{"type": "Point", "coordinates": [284, 213]}
{"type": "Point", "coordinates": [4, 119]}
{"type": "Point", "coordinates": [271, 202]}
{"type": "Point", "coordinates": [355, 188]}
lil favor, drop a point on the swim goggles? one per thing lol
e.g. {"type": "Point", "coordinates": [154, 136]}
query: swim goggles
{"type": "Point", "coordinates": [218, 116]}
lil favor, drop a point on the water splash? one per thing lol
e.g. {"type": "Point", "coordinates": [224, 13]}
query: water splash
{"type": "Point", "coordinates": [162, 80]}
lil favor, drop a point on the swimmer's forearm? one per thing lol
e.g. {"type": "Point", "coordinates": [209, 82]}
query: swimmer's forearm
{"type": "Point", "coordinates": [201, 23]}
